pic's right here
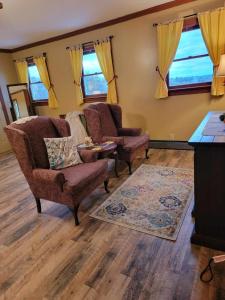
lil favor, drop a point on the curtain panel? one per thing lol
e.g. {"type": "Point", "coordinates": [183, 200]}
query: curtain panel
{"type": "Point", "coordinates": [103, 52]}
{"type": "Point", "coordinates": [212, 24]}
{"type": "Point", "coordinates": [76, 58]}
{"type": "Point", "coordinates": [40, 62]}
{"type": "Point", "coordinates": [22, 71]}
{"type": "Point", "coordinates": [168, 36]}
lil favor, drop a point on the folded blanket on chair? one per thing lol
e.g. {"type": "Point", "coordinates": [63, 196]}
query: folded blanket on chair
{"type": "Point", "coordinates": [76, 127]}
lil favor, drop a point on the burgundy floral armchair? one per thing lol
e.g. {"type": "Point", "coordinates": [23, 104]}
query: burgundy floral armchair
{"type": "Point", "coordinates": [66, 186]}
{"type": "Point", "coordinates": [104, 122]}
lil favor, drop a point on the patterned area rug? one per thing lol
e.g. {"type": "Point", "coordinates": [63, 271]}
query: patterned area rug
{"type": "Point", "coordinates": [153, 200]}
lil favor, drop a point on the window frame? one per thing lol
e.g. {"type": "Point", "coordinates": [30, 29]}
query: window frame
{"type": "Point", "coordinates": [40, 102]}
{"type": "Point", "coordinates": [88, 49]}
{"type": "Point", "coordinates": [195, 88]}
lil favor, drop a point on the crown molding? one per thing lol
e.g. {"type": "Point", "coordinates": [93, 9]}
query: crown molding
{"type": "Point", "coordinates": [125, 18]}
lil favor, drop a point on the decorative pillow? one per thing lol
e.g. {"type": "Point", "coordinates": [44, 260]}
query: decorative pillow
{"type": "Point", "coordinates": [62, 152]}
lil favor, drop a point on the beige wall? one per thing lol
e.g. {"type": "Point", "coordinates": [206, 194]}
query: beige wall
{"type": "Point", "coordinates": [135, 58]}
{"type": "Point", "coordinates": [7, 76]}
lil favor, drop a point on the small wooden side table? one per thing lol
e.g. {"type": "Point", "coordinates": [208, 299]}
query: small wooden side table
{"type": "Point", "coordinates": [104, 150]}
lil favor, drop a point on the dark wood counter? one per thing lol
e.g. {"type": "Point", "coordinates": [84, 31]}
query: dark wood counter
{"type": "Point", "coordinates": [209, 179]}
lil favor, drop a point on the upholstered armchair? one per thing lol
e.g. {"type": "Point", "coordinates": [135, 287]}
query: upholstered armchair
{"type": "Point", "coordinates": [104, 122]}
{"type": "Point", "coordinates": [66, 186]}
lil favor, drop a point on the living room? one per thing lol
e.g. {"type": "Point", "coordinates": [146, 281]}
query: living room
{"type": "Point", "coordinates": [110, 76]}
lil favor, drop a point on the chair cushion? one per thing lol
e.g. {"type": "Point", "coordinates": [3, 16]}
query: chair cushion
{"type": "Point", "coordinates": [81, 176]}
{"type": "Point", "coordinates": [107, 123]}
{"type": "Point", "coordinates": [133, 142]}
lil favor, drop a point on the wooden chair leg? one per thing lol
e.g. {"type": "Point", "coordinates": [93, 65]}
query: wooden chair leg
{"type": "Point", "coordinates": [129, 166]}
{"type": "Point", "coordinates": [106, 182]}
{"type": "Point", "coordinates": [146, 154]}
{"type": "Point", "coordinates": [75, 213]}
{"type": "Point", "coordinates": [38, 203]}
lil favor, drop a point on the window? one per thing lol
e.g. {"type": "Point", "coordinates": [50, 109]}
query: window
{"type": "Point", "coordinates": [192, 69]}
{"type": "Point", "coordinates": [94, 84]}
{"type": "Point", "coordinates": [37, 88]}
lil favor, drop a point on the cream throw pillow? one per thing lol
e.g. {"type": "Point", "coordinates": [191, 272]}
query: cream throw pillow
{"type": "Point", "coordinates": [62, 152]}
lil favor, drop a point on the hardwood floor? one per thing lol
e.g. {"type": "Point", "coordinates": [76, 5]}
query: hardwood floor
{"type": "Point", "coordinates": [46, 257]}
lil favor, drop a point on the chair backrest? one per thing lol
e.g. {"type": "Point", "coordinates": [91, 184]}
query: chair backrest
{"type": "Point", "coordinates": [33, 132]}
{"type": "Point", "coordinates": [106, 126]}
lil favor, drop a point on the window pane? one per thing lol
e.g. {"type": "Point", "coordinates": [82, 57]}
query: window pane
{"type": "Point", "coordinates": [38, 91]}
{"type": "Point", "coordinates": [95, 84]}
{"type": "Point", "coordinates": [191, 44]}
{"type": "Point", "coordinates": [33, 74]}
{"type": "Point", "coordinates": [91, 64]}
{"type": "Point", "coordinates": [196, 70]}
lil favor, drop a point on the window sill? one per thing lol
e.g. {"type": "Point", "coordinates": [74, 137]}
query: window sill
{"type": "Point", "coordinates": [40, 103]}
{"type": "Point", "coordinates": [190, 90]}
{"type": "Point", "coordinates": [91, 99]}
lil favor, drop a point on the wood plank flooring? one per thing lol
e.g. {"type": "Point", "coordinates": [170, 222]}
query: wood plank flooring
{"type": "Point", "coordinates": [46, 257]}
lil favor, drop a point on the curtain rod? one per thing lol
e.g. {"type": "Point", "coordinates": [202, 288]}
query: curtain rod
{"type": "Point", "coordinates": [189, 16]}
{"type": "Point", "coordinates": [29, 57]}
{"type": "Point", "coordinates": [91, 42]}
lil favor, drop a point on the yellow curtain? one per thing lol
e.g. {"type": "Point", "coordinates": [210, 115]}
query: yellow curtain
{"type": "Point", "coordinates": [212, 26]}
{"type": "Point", "coordinates": [168, 36]}
{"type": "Point", "coordinates": [22, 71]}
{"type": "Point", "coordinates": [43, 72]}
{"type": "Point", "coordinates": [103, 51]}
{"type": "Point", "coordinates": [76, 57]}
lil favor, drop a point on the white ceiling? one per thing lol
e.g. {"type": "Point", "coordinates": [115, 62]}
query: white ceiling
{"type": "Point", "coordinates": [26, 21]}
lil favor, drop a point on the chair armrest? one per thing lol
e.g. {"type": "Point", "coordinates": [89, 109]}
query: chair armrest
{"type": "Point", "coordinates": [129, 131]}
{"type": "Point", "coordinates": [116, 139]}
{"type": "Point", "coordinates": [48, 176]}
{"type": "Point", "coordinates": [88, 156]}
